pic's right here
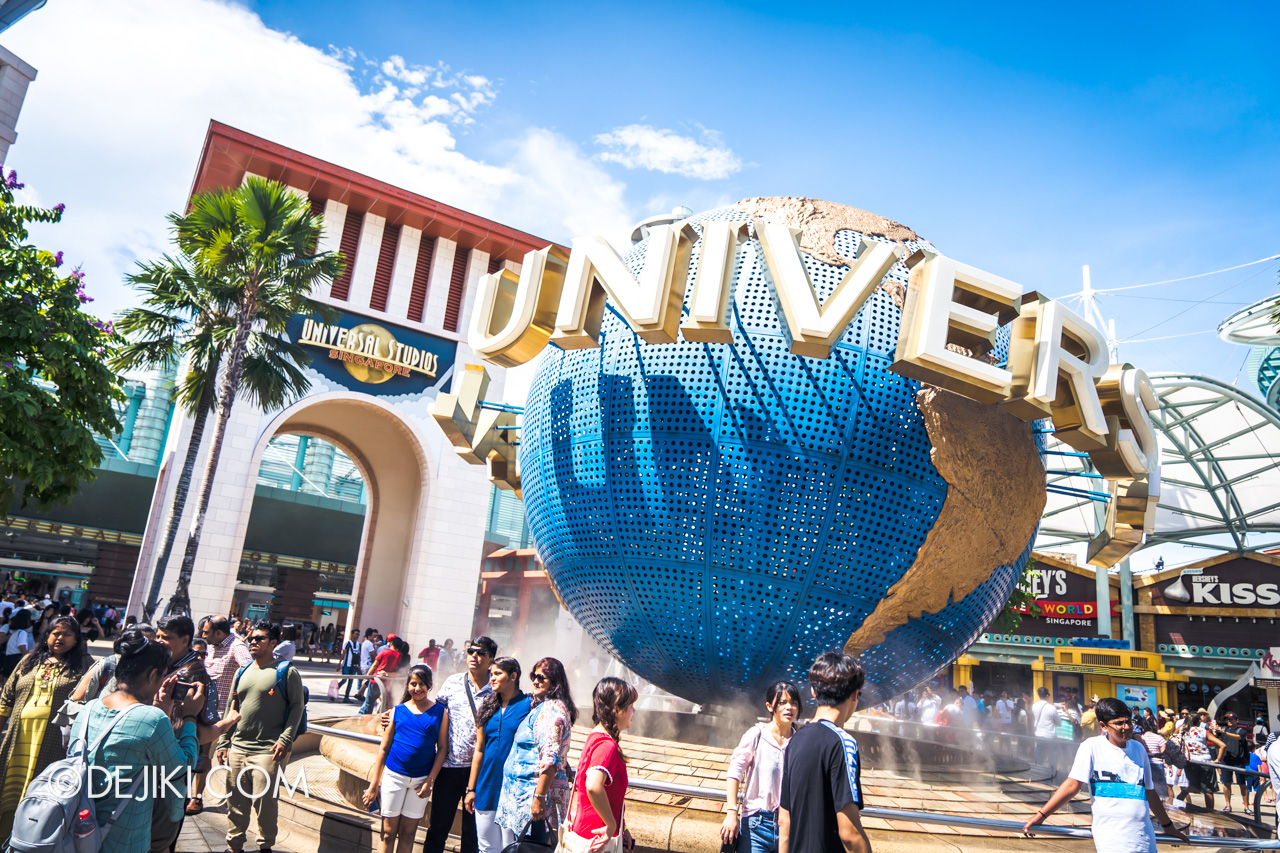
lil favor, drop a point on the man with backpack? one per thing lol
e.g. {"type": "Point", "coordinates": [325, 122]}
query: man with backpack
{"type": "Point", "coordinates": [349, 663]}
{"type": "Point", "coordinates": [269, 697]}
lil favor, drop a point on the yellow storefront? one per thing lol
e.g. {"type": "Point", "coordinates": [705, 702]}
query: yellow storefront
{"type": "Point", "coordinates": [1138, 678]}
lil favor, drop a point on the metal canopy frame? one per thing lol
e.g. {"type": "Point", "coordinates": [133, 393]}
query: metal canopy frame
{"type": "Point", "coordinates": [1220, 472]}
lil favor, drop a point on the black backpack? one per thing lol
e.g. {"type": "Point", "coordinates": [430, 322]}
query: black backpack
{"type": "Point", "coordinates": [282, 673]}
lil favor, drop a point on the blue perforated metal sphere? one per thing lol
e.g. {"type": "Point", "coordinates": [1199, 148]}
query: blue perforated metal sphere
{"type": "Point", "coordinates": [716, 515]}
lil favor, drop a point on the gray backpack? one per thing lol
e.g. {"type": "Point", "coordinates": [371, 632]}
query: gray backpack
{"type": "Point", "coordinates": [56, 814]}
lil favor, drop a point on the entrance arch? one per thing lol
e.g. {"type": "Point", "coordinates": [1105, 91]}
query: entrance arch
{"type": "Point", "coordinates": [391, 455]}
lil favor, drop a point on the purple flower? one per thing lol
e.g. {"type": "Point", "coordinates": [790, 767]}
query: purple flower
{"type": "Point", "coordinates": [59, 207]}
{"type": "Point", "coordinates": [57, 259]}
{"type": "Point", "coordinates": [77, 275]}
{"type": "Point", "coordinates": [12, 182]}
{"type": "Point", "coordinates": [8, 364]}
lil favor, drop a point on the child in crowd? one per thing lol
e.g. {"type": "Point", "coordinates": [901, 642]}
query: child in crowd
{"type": "Point", "coordinates": [414, 747]}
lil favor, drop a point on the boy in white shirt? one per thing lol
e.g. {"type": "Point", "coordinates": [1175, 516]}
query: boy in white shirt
{"type": "Point", "coordinates": [1118, 773]}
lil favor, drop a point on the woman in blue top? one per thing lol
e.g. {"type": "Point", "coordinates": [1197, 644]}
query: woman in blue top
{"type": "Point", "coordinates": [535, 787]}
{"type": "Point", "coordinates": [143, 740]}
{"type": "Point", "coordinates": [497, 720]}
{"type": "Point", "coordinates": [414, 747]}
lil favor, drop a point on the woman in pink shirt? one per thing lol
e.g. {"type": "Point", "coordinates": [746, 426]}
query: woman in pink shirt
{"type": "Point", "coordinates": [595, 811]}
{"type": "Point", "coordinates": [755, 769]}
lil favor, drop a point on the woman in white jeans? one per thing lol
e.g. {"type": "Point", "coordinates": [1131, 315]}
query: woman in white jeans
{"type": "Point", "coordinates": [497, 719]}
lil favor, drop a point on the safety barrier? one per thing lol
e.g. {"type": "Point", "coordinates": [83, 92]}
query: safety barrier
{"type": "Point", "coordinates": [901, 814]}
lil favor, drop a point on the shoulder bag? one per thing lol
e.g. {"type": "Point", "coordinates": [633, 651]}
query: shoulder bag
{"type": "Point", "coordinates": [572, 842]}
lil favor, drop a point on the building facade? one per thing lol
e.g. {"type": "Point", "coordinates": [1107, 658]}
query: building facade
{"type": "Point", "coordinates": [412, 269]}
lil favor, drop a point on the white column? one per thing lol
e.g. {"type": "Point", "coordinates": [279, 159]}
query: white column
{"type": "Point", "coordinates": [445, 575]}
{"type": "Point", "coordinates": [218, 560]}
{"type": "Point", "coordinates": [438, 287]}
{"type": "Point", "coordinates": [335, 219]}
{"type": "Point", "coordinates": [366, 260]}
{"type": "Point", "coordinates": [402, 272]}
{"type": "Point", "coordinates": [478, 266]}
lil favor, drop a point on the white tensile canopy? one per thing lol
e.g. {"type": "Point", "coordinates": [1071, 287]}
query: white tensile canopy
{"type": "Point", "coordinates": [1220, 472]}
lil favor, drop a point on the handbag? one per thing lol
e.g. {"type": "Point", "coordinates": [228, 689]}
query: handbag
{"type": "Point", "coordinates": [525, 844]}
{"type": "Point", "coordinates": [1172, 753]}
{"type": "Point", "coordinates": [334, 692]}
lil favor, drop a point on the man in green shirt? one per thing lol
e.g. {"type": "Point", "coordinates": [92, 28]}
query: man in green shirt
{"type": "Point", "coordinates": [261, 739]}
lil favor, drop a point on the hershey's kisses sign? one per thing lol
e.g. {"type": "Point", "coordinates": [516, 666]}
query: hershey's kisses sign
{"type": "Point", "coordinates": [1058, 366]}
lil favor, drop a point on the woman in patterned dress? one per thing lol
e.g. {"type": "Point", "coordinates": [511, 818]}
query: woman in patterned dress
{"type": "Point", "coordinates": [535, 785]}
{"type": "Point", "coordinates": [36, 688]}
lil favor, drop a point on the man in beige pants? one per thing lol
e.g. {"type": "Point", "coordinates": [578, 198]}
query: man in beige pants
{"type": "Point", "coordinates": [257, 748]}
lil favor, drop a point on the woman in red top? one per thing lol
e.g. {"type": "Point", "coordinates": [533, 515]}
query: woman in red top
{"type": "Point", "coordinates": [595, 814]}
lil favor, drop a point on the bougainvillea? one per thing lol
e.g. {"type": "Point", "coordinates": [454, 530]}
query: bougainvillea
{"type": "Point", "coordinates": [56, 390]}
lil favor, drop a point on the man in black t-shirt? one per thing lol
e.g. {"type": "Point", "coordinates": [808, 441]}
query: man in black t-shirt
{"type": "Point", "coordinates": [1236, 753]}
{"type": "Point", "coordinates": [821, 789]}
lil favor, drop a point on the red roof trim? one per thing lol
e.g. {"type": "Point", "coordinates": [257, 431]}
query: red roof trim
{"type": "Point", "coordinates": [228, 153]}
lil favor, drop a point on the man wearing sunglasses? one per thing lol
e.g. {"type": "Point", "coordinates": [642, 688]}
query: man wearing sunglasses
{"type": "Point", "coordinates": [462, 694]}
{"type": "Point", "coordinates": [1118, 772]}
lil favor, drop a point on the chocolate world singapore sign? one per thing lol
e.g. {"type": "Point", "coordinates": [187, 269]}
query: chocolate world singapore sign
{"type": "Point", "coordinates": [788, 425]}
{"type": "Point", "coordinates": [1057, 365]}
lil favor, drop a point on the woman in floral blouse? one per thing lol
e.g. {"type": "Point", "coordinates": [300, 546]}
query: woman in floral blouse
{"type": "Point", "coordinates": [535, 786]}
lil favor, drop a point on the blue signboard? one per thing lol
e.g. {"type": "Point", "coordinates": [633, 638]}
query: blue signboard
{"type": "Point", "coordinates": [374, 358]}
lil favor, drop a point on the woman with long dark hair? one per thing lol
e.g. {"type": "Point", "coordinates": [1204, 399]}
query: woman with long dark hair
{"type": "Point", "coordinates": [596, 808]}
{"type": "Point", "coordinates": [36, 689]}
{"type": "Point", "coordinates": [535, 786]}
{"type": "Point", "coordinates": [756, 768]}
{"type": "Point", "coordinates": [414, 746]}
{"type": "Point", "coordinates": [20, 640]}
{"type": "Point", "coordinates": [143, 742]}
{"type": "Point", "coordinates": [90, 627]}
{"type": "Point", "coordinates": [497, 721]}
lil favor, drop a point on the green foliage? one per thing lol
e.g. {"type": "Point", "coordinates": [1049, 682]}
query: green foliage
{"type": "Point", "coordinates": [187, 316]}
{"type": "Point", "coordinates": [56, 389]}
{"type": "Point", "coordinates": [1021, 603]}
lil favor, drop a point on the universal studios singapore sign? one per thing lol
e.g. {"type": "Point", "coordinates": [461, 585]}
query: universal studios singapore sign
{"type": "Point", "coordinates": [1058, 366]}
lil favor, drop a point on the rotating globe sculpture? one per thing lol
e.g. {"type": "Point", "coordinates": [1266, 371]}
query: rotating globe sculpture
{"type": "Point", "coordinates": [716, 515]}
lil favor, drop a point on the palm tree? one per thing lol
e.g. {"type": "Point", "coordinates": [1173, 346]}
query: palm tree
{"type": "Point", "coordinates": [187, 317]}
{"type": "Point", "coordinates": [257, 243]}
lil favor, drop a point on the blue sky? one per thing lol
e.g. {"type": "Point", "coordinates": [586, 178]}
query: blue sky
{"type": "Point", "coordinates": [1139, 139]}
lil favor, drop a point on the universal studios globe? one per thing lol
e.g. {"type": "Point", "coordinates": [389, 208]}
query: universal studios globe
{"type": "Point", "coordinates": [716, 515]}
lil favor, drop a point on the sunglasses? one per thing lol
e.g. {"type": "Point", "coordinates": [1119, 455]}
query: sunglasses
{"type": "Point", "coordinates": [257, 639]}
{"type": "Point", "coordinates": [1124, 724]}
{"type": "Point", "coordinates": [479, 653]}
{"type": "Point", "coordinates": [538, 678]}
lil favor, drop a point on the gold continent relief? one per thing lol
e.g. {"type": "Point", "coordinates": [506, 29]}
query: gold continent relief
{"type": "Point", "coordinates": [367, 372]}
{"type": "Point", "coordinates": [988, 458]}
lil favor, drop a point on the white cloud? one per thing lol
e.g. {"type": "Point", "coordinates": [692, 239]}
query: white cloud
{"type": "Point", "coordinates": [640, 146]}
{"type": "Point", "coordinates": [114, 123]}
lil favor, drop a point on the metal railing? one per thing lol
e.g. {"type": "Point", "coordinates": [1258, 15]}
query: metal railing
{"type": "Point", "coordinates": [384, 685]}
{"type": "Point", "coordinates": [700, 792]}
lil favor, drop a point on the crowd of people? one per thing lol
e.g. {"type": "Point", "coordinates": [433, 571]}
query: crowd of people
{"type": "Point", "coordinates": [178, 696]}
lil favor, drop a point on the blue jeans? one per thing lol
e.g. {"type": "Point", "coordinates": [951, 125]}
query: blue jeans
{"type": "Point", "coordinates": [759, 833]}
{"type": "Point", "coordinates": [371, 694]}
{"type": "Point", "coordinates": [348, 682]}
